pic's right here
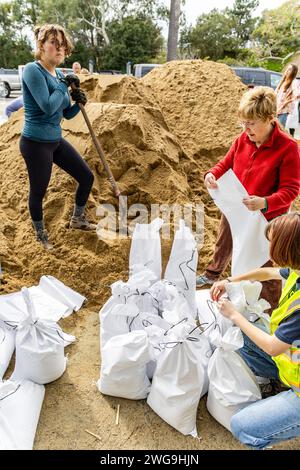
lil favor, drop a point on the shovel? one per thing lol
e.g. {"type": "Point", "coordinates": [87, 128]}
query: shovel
{"type": "Point", "coordinates": [99, 149]}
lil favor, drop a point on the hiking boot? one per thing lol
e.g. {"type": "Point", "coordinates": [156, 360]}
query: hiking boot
{"type": "Point", "coordinates": [204, 281]}
{"type": "Point", "coordinates": [42, 237]}
{"type": "Point", "coordinates": [81, 222]}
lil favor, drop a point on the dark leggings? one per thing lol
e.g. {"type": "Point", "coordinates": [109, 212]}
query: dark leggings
{"type": "Point", "coordinates": [39, 158]}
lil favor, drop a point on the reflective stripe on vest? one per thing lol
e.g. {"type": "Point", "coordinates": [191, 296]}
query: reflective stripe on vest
{"type": "Point", "coordinates": [288, 363]}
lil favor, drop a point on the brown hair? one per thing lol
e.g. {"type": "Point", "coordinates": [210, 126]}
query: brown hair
{"type": "Point", "coordinates": [285, 240]}
{"type": "Point", "coordinates": [43, 32]}
{"type": "Point", "coordinates": [258, 103]}
{"type": "Point", "coordinates": [292, 77]}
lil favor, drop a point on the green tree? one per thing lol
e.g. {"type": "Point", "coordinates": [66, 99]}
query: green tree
{"type": "Point", "coordinates": [136, 39]}
{"type": "Point", "coordinates": [278, 32]}
{"type": "Point", "coordinates": [243, 20]}
{"type": "Point", "coordinates": [211, 36]}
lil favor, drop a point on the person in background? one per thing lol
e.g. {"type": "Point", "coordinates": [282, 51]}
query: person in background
{"type": "Point", "coordinates": [293, 119]}
{"type": "Point", "coordinates": [14, 106]}
{"type": "Point", "coordinates": [46, 103]}
{"type": "Point", "coordinates": [272, 354]}
{"type": "Point", "coordinates": [266, 160]}
{"type": "Point", "coordinates": [78, 69]}
{"type": "Point", "coordinates": [286, 92]}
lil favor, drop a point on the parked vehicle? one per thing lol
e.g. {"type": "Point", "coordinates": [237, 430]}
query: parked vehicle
{"type": "Point", "coordinates": [11, 80]}
{"type": "Point", "coordinates": [140, 70]}
{"type": "Point", "coordinates": [252, 76]}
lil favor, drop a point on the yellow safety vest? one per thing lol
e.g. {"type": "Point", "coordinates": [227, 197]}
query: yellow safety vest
{"type": "Point", "coordinates": [288, 363]}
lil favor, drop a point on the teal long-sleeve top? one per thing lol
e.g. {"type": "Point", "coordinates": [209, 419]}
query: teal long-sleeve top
{"type": "Point", "coordinates": [46, 103]}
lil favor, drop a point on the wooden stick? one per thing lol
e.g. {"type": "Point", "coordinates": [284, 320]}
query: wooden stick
{"type": "Point", "coordinates": [94, 435]}
{"type": "Point", "coordinates": [99, 149]}
{"type": "Point", "coordinates": [118, 415]}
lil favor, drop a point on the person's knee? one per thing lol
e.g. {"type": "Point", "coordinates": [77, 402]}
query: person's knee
{"type": "Point", "coordinates": [245, 430]}
{"type": "Point", "coordinates": [89, 178]}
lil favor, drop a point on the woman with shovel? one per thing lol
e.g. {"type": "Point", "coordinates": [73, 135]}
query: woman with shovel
{"type": "Point", "coordinates": [46, 102]}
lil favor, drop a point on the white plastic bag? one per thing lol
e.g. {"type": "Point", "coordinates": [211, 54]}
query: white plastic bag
{"type": "Point", "coordinates": [178, 382]}
{"type": "Point", "coordinates": [145, 248]}
{"type": "Point", "coordinates": [51, 298]}
{"type": "Point", "coordinates": [39, 347]}
{"type": "Point", "coordinates": [20, 406]}
{"type": "Point", "coordinates": [123, 366]}
{"type": "Point", "coordinates": [250, 246]}
{"type": "Point", "coordinates": [232, 385]}
{"type": "Point", "coordinates": [127, 301]}
{"type": "Point", "coordinates": [209, 316]}
{"type": "Point", "coordinates": [182, 265]}
{"type": "Point", "coordinates": [7, 347]}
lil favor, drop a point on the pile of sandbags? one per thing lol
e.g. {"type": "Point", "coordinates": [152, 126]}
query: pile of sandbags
{"type": "Point", "coordinates": [162, 342]}
{"type": "Point", "coordinates": [28, 325]}
{"type": "Point", "coordinates": [149, 330]}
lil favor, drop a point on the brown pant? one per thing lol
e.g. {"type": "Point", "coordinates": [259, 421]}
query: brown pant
{"type": "Point", "coordinates": [223, 251]}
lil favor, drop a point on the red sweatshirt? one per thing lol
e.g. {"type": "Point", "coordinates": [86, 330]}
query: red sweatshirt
{"type": "Point", "coordinates": [271, 170]}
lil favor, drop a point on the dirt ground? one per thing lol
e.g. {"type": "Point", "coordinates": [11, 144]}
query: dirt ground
{"type": "Point", "coordinates": [160, 134]}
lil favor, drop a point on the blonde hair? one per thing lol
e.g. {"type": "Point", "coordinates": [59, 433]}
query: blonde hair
{"type": "Point", "coordinates": [43, 32]}
{"type": "Point", "coordinates": [258, 103]}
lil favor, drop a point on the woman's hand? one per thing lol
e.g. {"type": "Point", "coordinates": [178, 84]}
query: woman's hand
{"type": "Point", "coordinates": [71, 79]}
{"type": "Point", "coordinates": [210, 181]}
{"type": "Point", "coordinates": [79, 96]}
{"type": "Point", "coordinates": [254, 203]}
{"type": "Point", "coordinates": [227, 309]}
{"type": "Point", "coordinates": [218, 289]}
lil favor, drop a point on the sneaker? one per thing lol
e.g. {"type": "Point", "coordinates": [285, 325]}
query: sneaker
{"type": "Point", "coordinates": [82, 223]}
{"type": "Point", "coordinates": [272, 388]}
{"type": "Point", "coordinates": [204, 281]}
{"type": "Point", "coordinates": [42, 237]}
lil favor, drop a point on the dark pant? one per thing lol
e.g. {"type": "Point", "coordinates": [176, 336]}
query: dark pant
{"type": "Point", "coordinates": [39, 158]}
{"type": "Point", "coordinates": [271, 290]}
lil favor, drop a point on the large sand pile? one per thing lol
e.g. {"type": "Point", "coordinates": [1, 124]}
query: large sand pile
{"type": "Point", "coordinates": [159, 135]}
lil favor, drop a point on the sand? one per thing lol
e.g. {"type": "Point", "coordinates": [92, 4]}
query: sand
{"type": "Point", "coordinates": [159, 135]}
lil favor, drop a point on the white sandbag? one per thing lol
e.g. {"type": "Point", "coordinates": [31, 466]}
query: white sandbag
{"type": "Point", "coordinates": [7, 347]}
{"type": "Point", "coordinates": [128, 299]}
{"type": "Point", "coordinates": [245, 297]}
{"type": "Point", "coordinates": [52, 300]}
{"type": "Point", "coordinates": [232, 385]}
{"type": "Point", "coordinates": [20, 406]}
{"type": "Point", "coordinates": [236, 296]}
{"type": "Point", "coordinates": [182, 265]}
{"type": "Point", "coordinates": [145, 248]}
{"type": "Point", "coordinates": [209, 315]}
{"type": "Point", "coordinates": [39, 347]}
{"type": "Point", "coordinates": [250, 246]}
{"type": "Point", "coordinates": [123, 366]}
{"type": "Point", "coordinates": [178, 382]}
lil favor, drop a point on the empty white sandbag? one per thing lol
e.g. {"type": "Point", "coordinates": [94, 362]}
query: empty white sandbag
{"type": "Point", "coordinates": [20, 406]}
{"type": "Point", "coordinates": [182, 265]}
{"type": "Point", "coordinates": [145, 248]}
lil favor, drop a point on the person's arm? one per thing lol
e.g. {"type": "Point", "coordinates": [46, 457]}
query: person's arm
{"type": "Point", "coordinates": [288, 180]}
{"type": "Point", "coordinates": [71, 111]}
{"type": "Point", "coordinates": [268, 343]}
{"type": "Point", "coordinates": [260, 274]}
{"type": "Point", "coordinates": [37, 85]}
{"type": "Point", "coordinates": [226, 163]}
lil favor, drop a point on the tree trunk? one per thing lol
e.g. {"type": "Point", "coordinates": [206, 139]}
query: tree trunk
{"type": "Point", "coordinates": [173, 30]}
